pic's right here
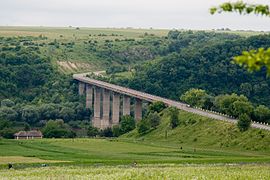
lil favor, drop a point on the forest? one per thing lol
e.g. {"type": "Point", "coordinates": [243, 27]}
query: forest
{"type": "Point", "coordinates": [35, 94]}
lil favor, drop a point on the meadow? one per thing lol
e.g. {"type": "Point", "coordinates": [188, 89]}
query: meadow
{"type": "Point", "coordinates": [169, 171]}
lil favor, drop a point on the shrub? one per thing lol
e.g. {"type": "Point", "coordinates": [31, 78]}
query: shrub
{"type": "Point", "coordinates": [244, 122]}
{"type": "Point", "coordinates": [106, 132]}
{"type": "Point", "coordinates": [157, 106]}
{"type": "Point", "coordinates": [173, 115]}
{"type": "Point", "coordinates": [57, 129]}
{"type": "Point", "coordinates": [8, 133]}
{"type": "Point", "coordinates": [92, 131]}
{"type": "Point", "coordinates": [143, 127]}
{"type": "Point", "coordinates": [116, 131]}
{"type": "Point", "coordinates": [127, 123]}
{"type": "Point", "coordinates": [153, 119]}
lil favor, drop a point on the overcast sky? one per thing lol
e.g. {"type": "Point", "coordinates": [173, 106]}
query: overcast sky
{"type": "Point", "coordinates": [187, 14]}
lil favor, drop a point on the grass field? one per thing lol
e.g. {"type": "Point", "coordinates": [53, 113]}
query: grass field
{"type": "Point", "coordinates": [239, 172]}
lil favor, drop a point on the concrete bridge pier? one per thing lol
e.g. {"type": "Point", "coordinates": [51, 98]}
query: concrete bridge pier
{"type": "Point", "coordinates": [81, 88]}
{"type": "Point", "coordinates": [96, 120]}
{"type": "Point", "coordinates": [126, 105]}
{"type": "Point", "coordinates": [89, 96]}
{"type": "Point", "coordinates": [115, 109]}
{"type": "Point", "coordinates": [105, 121]}
{"type": "Point", "coordinates": [138, 109]}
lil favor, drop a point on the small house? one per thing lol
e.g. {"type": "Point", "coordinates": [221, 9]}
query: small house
{"type": "Point", "coordinates": [34, 134]}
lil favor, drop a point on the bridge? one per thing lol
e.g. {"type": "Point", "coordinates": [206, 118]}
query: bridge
{"type": "Point", "coordinates": [104, 116]}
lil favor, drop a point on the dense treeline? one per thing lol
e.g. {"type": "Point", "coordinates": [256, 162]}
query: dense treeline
{"type": "Point", "coordinates": [203, 60]}
{"type": "Point", "coordinates": [32, 92]}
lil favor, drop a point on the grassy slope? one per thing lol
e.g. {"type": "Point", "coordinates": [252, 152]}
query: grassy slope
{"type": "Point", "coordinates": [202, 140]}
{"type": "Point", "coordinates": [197, 132]}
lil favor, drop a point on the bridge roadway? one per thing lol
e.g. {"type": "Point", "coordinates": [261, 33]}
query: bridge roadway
{"type": "Point", "coordinates": [152, 98]}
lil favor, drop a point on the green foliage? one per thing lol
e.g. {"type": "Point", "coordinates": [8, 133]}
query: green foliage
{"type": "Point", "coordinates": [4, 124]}
{"type": "Point", "coordinates": [244, 122]}
{"type": "Point", "coordinates": [195, 97]}
{"type": "Point", "coordinates": [150, 122]}
{"type": "Point", "coordinates": [262, 114]}
{"type": "Point", "coordinates": [57, 129]}
{"type": "Point", "coordinates": [7, 133]}
{"type": "Point", "coordinates": [242, 8]}
{"type": "Point", "coordinates": [107, 132]}
{"type": "Point", "coordinates": [153, 119]}
{"type": "Point", "coordinates": [116, 131]}
{"type": "Point", "coordinates": [30, 114]}
{"type": "Point", "coordinates": [92, 131]}
{"type": "Point", "coordinates": [143, 127]}
{"type": "Point", "coordinates": [202, 60]}
{"type": "Point", "coordinates": [7, 103]}
{"type": "Point", "coordinates": [8, 113]}
{"type": "Point", "coordinates": [255, 60]}
{"type": "Point", "coordinates": [127, 123]}
{"type": "Point", "coordinates": [240, 107]}
{"type": "Point", "coordinates": [173, 116]}
{"type": "Point", "coordinates": [156, 107]}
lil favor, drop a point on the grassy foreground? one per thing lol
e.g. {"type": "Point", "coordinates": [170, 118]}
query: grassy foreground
{"type": "Point", "coordinates": [244, 172]}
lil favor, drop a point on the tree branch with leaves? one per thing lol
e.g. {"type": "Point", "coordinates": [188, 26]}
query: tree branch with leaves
{"type": "Point", "coordinates": [253, 60]}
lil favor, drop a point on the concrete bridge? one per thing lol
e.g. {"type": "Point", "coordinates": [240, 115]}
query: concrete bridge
{"type": "Point", "coordinates": [96, 91]}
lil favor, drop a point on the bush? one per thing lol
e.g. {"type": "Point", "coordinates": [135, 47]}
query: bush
{"type": "Point", "coordinates": [174, 121]}
{"type": "Point", "coordinates": [8, 133]}
{"type": "Point", "coordinates": [244, 122]}
{"type": "Point", "coordinates": [92, 131]}
{"type": "Point", "coordinates": [57, 129]}
{"type": "Point", "coordinates": [106, 132]}
{"type": "Point", "coordinates": [127, 123]}
{"type": "Point", "coordinates": [116, 131]}
{"type": "Point", "coordinates": [156, 107]}
{"type": "Point", "coordinates": [143, 127]}
{"type": "Point", "coordinates": [153, 119]}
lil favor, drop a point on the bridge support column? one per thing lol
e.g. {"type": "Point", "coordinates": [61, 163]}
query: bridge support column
{"type": "Point", "coordinates": [138, 109]}
{"type": "Point", "coordinates": [96, 119]}
{"type": "Point", "coordinates": [81, 88]}
{"type": "Point", "coordinates": [126, 105]}
{"type": "Point", "coordinates": [105, 122]}
{"type": "Point", "coordinates": [116, 107]}
{"type": "Point", "coordinates": [89, 96]}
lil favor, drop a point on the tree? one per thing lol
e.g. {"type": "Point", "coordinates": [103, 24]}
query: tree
{"type": "Point", "coordinates": [7, 103]}
{"type": "Point", "coordinates": [153, 119]}
{"type": "Point", "coordinates": [241, 107]}
{"type": "Point", "coordinates": [194, 97]}
{"type": "Point", "coordinates": [157, 106]}
{"type": "Point", "coordinates": [253, 60]}
{"type": "Point", "coordinates": [92, 131]}
{"type": "Point", "coordinates": [127, 123]}
{"type": "Point", "coordinates": [30, 114]}
{"type": "Point", "coordinates": [173, 116]}
{"type": "Point", "coordinates": [57, 129]}
{"type": "Point", "coordinates": [116, 131]}
{"type": "Point", "coordinates": [262, 114]}
{"type": "Point", "coordinates": [143, 127]}
{"type": "Point", "coordinates": [224, 103]}
{"type": "Point", "coordinates": [8, 113]}
{"type": "Point", "coordinates": [244, 122]}
{"type": "Point", "coordinates": [107, 132]}
{"type": "Point", "coordinates": [67, 113]}
{"type": "Point", "coordinates": [8, 133]}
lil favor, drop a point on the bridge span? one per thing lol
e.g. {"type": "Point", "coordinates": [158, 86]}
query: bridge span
{"type": "Point", "coordinates": [96, 90]}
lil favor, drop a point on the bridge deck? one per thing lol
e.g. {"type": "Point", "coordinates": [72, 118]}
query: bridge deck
{"type": "Point", "coordinates": [152, 98]}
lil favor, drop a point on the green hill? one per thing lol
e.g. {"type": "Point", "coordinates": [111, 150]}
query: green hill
{"type": "Point", "coordinates": [197, 132]}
